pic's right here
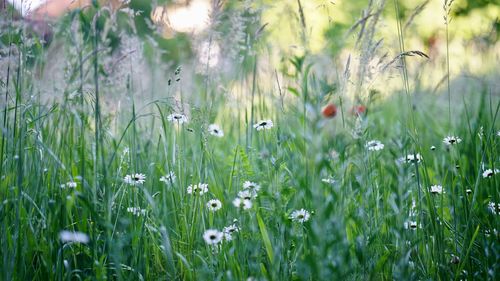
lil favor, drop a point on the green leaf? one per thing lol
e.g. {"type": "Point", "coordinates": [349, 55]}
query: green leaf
{"type": "Point", "coordinates": [265, 238]}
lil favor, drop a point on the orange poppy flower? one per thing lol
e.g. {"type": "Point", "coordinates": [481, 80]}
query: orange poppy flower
{"type": "Point", "coordinates": [329, 111]}
{"type": "Point", "coordinates": [358, 110]}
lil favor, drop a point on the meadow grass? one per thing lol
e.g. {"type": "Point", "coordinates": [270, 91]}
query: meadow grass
{"type": "Point", "coordinates": [96, 189]}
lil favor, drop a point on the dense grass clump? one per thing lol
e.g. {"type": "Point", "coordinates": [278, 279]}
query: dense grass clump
{"type": "Point", "coordinates": [117, 164]}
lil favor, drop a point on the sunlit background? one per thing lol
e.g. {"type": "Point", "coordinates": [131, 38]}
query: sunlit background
{"type": "Point", "coordinates": [223, 38]}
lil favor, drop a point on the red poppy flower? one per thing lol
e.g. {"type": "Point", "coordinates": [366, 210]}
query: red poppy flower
{"type": "Point", "coordinates": [358, 110]}
{"type": "Point", "coordinates": [329, 111]}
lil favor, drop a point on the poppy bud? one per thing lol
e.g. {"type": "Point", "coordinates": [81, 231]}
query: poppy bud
{"type": "Point", "coordinates": [329, 111]}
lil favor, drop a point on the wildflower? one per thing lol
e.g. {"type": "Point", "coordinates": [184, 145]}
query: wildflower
{"type": "Point", "coordinates": [242, 203]}
{"type": "Point", "coordinates": [199, 189]}
{"type": "Point", "coordinates": [374, 145]}
{"type": "Point", "coordinates": [177, 118]}
{"type": "Point", "coordinates": [329, 111]}
{"type": "Point", "coordinates": [71, 184]}
{"type": "Point", "coordinates": [135, 179]}
{"type": "Point", "coordinates": [263, 124]}
{"type": "Point", "coordinates": [215, 130]}
{"type": "Point", "coordinates": [468, 191]}
{"type": "Point", "coordinates": [436, 189]}
{"type": "Point", "coordinates": [212, 236]}
{"type": "Point", "coordinates": [413, 158]}
{"type": "Point", "coordinates": [454, 259]}
{"type": "Point", "coordinates": [358, 110]}
{"type": "Point", "coordinates": [451, 140]}
{"type": "Point", "coordinates": [214, 205]}
{"type": "Point", "coordinates": [433, 147]}
{"type": "Point", "coordinates": [300, 215]}
{"type": "Point", "coordinates": [494, 208]}
{"type": "Point", "coordinates": [333, 155]}
{"type": "Point", "coordinates": [329, 180]}
{"type": "Point", "coordinates": [498, 134]}
{"type": "Point", "coordinates": [251, 186]}
{"type": "Point", "coordinates": [489, 173]}
{"type": "Point", "coordinates": [229, 230]}
{"type": "Point", "coordinates": [410, 225]}
{"type": "Point", "coordinates": [136, 211]}
{"type": "Point", "coordinates": [73, 236]}
{"type": "Point", "coordinates": [247, 194]}
{"type": "Point", "coordinates": [168, 178]}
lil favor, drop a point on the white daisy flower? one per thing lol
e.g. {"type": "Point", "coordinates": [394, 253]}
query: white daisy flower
{"type": "Point", "coordinates": [197, 189]}
{"type": "Point", "coordinates": [374, 145]}
{"type": "Point", "coordinates": [436, 189]}
{"type": "Point", "coordinates": [136, 211]}
{"type": "Point", "coordinates": [168, 178]}
{"type": "Point", "coordinates": [433, 147]}
{"type": "Point", "coordinates": [215, 130]}
{"type": "Point", "coordinates": [73, 237]}
{"type": "Point", "coordinates": [329, 180]}
{"type": "Point", "coordinates": [300, 215]}
{"type": "Point", "coordinates": [489, 173]}
{"type": "Point", "coordinates": [212, 236]}
{"type": "Point", "coordinates": [251, 186]}
{"type": "Point", "coordinates": [71, 184]}
{"type": "Point", "coordinates": [412, 158]}
{"type": "Point", "coordinates": [247, 194]}
{"type": "Point", "coordinates": [263, 124]}
{"type": "Point", "coordinates": [229, 231]}
{"type": "Point", "coordinates": [451, 140]}
{"type": "Point", "coordinates": [242, 203]}
{"type": "Point", "coordinates": [135, 179]}
{"type": "Point", "coordinates": [494, 208]}
{"type": "Point", "coordinates": [410, 225]}
{"type": "Point", "coordinates": [214, 205]}
{"type": "Point", "coordinates": [468, 191]}
{"type": "Point", "coordinates": [177, 118]}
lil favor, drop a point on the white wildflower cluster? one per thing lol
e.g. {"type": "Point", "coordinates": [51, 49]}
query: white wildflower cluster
{"type": "Point", "coordinates": [213, 236]}
{"type": "Point", "coordinates": [137, 211]}
{"type": "Point", "coordinates": [245, 196]}
{"type": "Point", "coordinates": [494, 208]}
{"type": "Point", "coordinates": [411, 158]}
{"type": "Point", "coordinates": [71, 184]}
{"type": "Point", "coordinates": [197, 189]}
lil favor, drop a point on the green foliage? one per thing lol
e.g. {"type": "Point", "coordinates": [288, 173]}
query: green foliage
{"type": "Point", "coordinates": [329, 205]}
